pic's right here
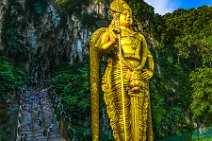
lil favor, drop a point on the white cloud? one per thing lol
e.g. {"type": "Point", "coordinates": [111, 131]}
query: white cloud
{"type": "Point", "coordinates": [163, 6]}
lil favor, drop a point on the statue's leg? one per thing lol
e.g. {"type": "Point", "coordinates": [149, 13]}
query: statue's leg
{"type": "Point", "coordinates": [114, 102]}
{"type": "Point", "coordinates": [136, 110]}
{"type": "Point", "coordinates": [139, 110]}
{"type": "Point", "coordinates": [123, 124]}
{"type": "Point", "coordinates": [150, 135]}
{"type": "Point", "coordinates": [135, 118]}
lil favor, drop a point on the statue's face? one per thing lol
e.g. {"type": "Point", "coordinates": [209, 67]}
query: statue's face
{"type": "Point", "coordinates": [126, 18]}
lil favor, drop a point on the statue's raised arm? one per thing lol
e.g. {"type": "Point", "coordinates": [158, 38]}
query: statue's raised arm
{"type": "Point", "coordinates": [125, 83]}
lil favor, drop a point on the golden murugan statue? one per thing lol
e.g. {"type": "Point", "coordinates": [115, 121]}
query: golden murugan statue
{"type": "Point", "coordinates": [125, 81]}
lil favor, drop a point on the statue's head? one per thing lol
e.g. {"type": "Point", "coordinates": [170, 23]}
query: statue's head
{"type": "Point", "coordinates": [122, 11]}
{"type": "Point", "coordinates": [119, 6]}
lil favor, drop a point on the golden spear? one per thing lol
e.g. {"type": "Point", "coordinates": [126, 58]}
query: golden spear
{"type": "Point", "coordinates": [122, 81]}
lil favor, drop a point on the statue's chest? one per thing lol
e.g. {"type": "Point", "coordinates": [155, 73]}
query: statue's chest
{"type": "Point", "coordinates": [130, 44]}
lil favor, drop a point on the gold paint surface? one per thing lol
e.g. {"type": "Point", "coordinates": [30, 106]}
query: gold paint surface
{"type": "Point", "coordinates": [126, 79]}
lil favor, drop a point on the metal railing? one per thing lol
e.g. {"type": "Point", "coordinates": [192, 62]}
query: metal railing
{"type": "Point", "coordinates": [18, 130]}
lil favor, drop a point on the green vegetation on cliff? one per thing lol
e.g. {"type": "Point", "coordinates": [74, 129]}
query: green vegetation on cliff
{"type": "Point", "coordinates": [12, 75]}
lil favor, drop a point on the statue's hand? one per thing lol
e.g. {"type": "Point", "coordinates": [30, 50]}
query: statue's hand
{"type": "Point", "coordinates": [113, 34]}
{"type": "Point", "coordinates": [147, 74]}
{"type": "Point", "coordinates": [135, 79]}
{"type": "Point", "coordinates": [112, 38]}
{"type": "Point", "coordinates": [137, 82]}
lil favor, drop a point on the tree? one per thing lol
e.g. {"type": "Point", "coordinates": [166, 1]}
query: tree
{"type": "Point", "coordinates": [201, 106]}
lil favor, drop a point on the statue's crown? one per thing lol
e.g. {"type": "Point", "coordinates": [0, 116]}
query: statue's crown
{"type": "Point", "coordinates": [119, 6]}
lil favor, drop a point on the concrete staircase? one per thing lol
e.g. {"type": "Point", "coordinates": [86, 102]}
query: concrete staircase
{"type": "Point", "coordinates": [37, 119]}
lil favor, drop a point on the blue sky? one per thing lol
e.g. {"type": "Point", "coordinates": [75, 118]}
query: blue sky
{"type": "Point", "coordinates": [164, 6]}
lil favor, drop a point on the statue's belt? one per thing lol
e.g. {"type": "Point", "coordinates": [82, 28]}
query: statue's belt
{"type": "Point", "coordinates": [131, 56]}
{"type": "Point", "coordinates": [127, 64]}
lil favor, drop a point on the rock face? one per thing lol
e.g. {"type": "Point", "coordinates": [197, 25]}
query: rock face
{"type": "Point", "coordinates": [49, 36]}
{"type": "Point", "coordinates": [3, 9]}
